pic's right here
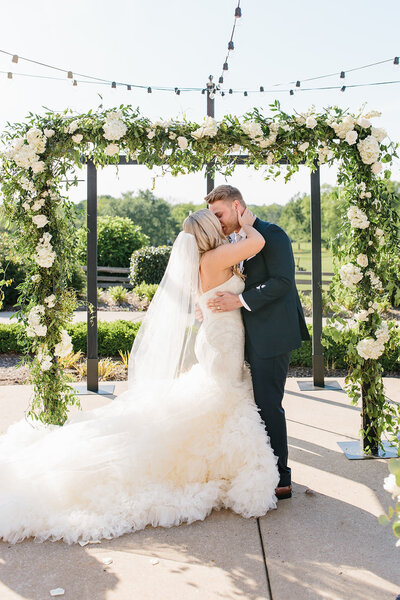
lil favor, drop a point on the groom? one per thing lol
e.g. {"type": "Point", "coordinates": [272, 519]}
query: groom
{"type": "Point", "coordinates": [272, 314]}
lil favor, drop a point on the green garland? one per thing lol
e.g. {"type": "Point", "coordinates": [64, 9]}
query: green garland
{"type": "Point", "coordinates": [45, 150]}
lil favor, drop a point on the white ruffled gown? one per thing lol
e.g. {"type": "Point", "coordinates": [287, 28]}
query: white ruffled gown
{"type": "Point", "coordinates": [150, 457]}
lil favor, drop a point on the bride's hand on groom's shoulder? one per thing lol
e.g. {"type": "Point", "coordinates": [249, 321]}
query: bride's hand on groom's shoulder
{"type": "Point", "coordinates": [224, 302]}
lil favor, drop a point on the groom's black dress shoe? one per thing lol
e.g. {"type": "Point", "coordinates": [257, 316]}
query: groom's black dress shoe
{"type": "Point", "coordinates": [283, 492]}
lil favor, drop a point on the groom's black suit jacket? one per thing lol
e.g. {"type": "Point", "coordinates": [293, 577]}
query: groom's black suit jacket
{"type": "Point", "coordinates": [275, 325]}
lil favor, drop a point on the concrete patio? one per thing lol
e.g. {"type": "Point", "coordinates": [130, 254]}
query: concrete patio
{"type": "Point", "coordinates": [323, 543]}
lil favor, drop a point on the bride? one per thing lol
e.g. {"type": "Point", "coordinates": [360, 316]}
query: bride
{"type": "Point", "coordinates": [185, 438]}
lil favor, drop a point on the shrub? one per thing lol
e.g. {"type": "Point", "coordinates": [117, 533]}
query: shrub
{"type": "Point", "coordinates": [13, 267]}
{"type": "Point", "coordinates": [148, 264]}
{"type": "Point", "coordinates": [117, 238]}
{"type": "Point", "coordinates": [119, 336]}
{"type": "Point", "coordinates": [118, 293]}
{"type": "Point", "coordinates": [145, 291]}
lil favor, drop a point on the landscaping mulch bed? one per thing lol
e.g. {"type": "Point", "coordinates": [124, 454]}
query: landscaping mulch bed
{"type": "Point", "coordinates": [11, 373]}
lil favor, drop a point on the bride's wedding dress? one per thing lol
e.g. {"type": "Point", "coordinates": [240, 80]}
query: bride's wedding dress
{"type": "Point", "coordinates": [159, 454]}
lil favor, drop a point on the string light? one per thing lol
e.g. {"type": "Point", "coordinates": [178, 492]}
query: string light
{"type": "Point", "coordinates": [342, 89]}
{"type": "Point", "coordinates": [70, 75]}
{"type": "Point", "coordinates": [342, 74]}
{"type": "Point", "coordinates": [114, 84]}
{"type": "Point", "coordinates": [15, 58]}
{"type": "Point", "coordinates": [9, 75]}
{"type": "Point", "coordinates": [225, 67]}
{"type": "Point", "coordinates": [396, 60]}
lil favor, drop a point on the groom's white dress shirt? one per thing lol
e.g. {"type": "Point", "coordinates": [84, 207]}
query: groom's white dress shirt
{"type": "Point", "coordinates": [236, 237]}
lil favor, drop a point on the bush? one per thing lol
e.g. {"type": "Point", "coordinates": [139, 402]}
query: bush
{"type": "Point", "coordinates": [148, 264]}
{"type": "Point", "coordinates": [119, 335]}
{"type": "Point", "coordinates": [117, 238]}
{"type": "Point", "coordinates": [13, 267]}
{"type": "Point", "coordinates": [145, 291]}
{"type": "Point", "coordinates": [118, 293]}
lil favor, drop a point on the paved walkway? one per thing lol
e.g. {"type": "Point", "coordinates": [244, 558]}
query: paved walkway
{"type": "Point", "coordinates": [323, 543]}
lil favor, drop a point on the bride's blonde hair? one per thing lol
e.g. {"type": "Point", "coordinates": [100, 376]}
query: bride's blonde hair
{"type": "Point", "coordinates": [207, 230]}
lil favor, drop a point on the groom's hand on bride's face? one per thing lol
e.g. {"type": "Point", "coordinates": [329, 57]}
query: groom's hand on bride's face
{"type": "Point", "coordinates": [224, 302]}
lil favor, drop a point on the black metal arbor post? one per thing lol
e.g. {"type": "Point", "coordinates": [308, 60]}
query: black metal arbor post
{"type": "Point", "coordinates": [92, 349]}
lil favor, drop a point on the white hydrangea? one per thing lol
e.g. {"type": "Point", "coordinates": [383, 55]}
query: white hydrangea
{"type": "Point", "coordinates": [324, 153]}
{"type": "Point", "coordinates": [182, 142]}
{"type": "Point", "coordinates": [208, 129]}
{"type": "Point", "coordinates": [64, 347]}
{"type": "Point", "coordinates": [36, 140]}
{"type": "Point", "coordinates": [311, 122]}
{"type": "Point", "coordinates": [357, 218]}
{"type": "Point", "coordinates": [45, 360]}
{"type": "Point", "coordinates": [38, 166]}
{"type": "Point", "coordinates": [72, 127]}
{"type": "Point", "coordinates": [379, 133]}
{"type": "Point", "coordinates": [252, 129]}
{"type": "Point", "coordinates": [362, 260]}
{"type": "Point", "coordinates": [342, 127]}
{"type": "Point", "coordinates": [369, 348]}
{"type": "Point", "coordinates": [375, 281]}
{"type": "Point", "coordinates": [114, 128]}
{"type": "Point", "coordinates": [363, 314]}
{"type": "Point", "coordinates": [50, 300]}
{"type": "Point", "coordinates": [369, 150]}
{"type": "Point", "coordinates": [27, 184]}
{"type": "Point", "coordinates": [350, 275]}
{"type": "Point", "coordinates": [77, 138]}
{"type": "Point", "coordinates": [111, 149]}
{"type": "Point", "coordinates": [351, 137]}
{"type": "Point", "coordinates": [45, 255]}
{"type": "Point", "coordinates": [303, 147]}
{"type": "Point", "coordinates": [37, 205]}
{"type": "Point", "coordinates": [40, 220]}
{"type": "Point", "coordinates": [376, 167]}
{"type": "Point", "coordinates": [35, 327]}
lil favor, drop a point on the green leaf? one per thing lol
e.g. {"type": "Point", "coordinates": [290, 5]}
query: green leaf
{"type": "Point", "coordinates": [383, 520]}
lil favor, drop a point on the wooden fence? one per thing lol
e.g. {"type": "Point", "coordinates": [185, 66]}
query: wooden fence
{"type": "Point", "coordinates": [112, 276]}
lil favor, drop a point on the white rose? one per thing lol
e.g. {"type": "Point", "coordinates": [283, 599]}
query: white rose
{"type": "Point", "coordinates": [38, 204]}
{"type": "Point", "coordinates": [48, 132]}
{"type": "Point", "coordinates": [303, 147]}
{"type": "Point", "coordinates": [350, 275]}
{"type": "Point", "coordinates": [40, 220]}
{"type": "Point", "coordinates": [64, 347]}
{"type": "Point", "coordinates": [182, 142]}
{"type": "Point", "coordinates": [362, 260]}
{"type": "Point", "coordinates": [151, 134]}
{"type": "Point", "coordinates": [111, 149]}
{"type": "Point", "coordinates": [351, 137]}
{"type": "Point", "coordinates": [369, 150]}
{"type": "Point", "coordinates": [363, 122]}
{"type": "Point", "coordinates": [77, 138]}
{"type": "Point", "coordinates": [114, 128]}
{"type": "Point", "coordinates": [376, 168]}
{"type": "Point", "coordinates": [46, 363]}
{"type": "Point", "coordinates": [379, 133]}
{"type": "Point", "coordinates": [341, 128]}
{"type": "Point", "coordinates": [209, 129]}
{"type": "Point", "coordinates": [357, 218]}
{"type": "Point", "coordinates": [36, 140]}
{"type": "Point", "coordinates": [311, 122]}
{"type": "Point", "coordinates": [50, 301]}
{"type": "Point", "coordinates": [26, 206]}
{"type": "Point", "coordinates": [172, 135]}
{"type": "Point", "coordinates": [35, 278]}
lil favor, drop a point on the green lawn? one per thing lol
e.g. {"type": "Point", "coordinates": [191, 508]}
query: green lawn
{"type": "Point", "coordinates": [302, 258]}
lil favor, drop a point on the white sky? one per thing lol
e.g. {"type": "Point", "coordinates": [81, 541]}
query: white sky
{"type": "Point", "coordinates": [181, 42]}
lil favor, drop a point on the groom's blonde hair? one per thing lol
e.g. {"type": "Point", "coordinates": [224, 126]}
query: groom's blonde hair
{"type": "Point", "coordinates": [225, 192]}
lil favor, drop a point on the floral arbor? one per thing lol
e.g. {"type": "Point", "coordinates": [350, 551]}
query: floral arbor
{"type": "Point", "coordinates": [43, 151]}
